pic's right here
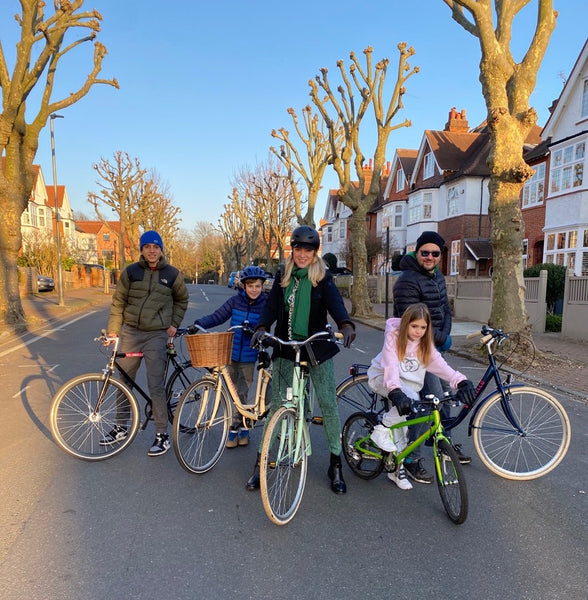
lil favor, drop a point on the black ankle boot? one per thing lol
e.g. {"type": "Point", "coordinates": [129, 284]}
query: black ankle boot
{"type": "Point", "coordinates": [253, 481]}
{"type": "Point", "coordinates": [336, 475]}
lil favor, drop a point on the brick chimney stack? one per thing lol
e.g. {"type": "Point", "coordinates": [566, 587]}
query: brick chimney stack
{"type": "Point", "coordinates": [457, 122]}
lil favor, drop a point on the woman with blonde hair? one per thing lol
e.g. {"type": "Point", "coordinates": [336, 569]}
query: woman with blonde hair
{"type": "Point", "coordinates": [300, 299]}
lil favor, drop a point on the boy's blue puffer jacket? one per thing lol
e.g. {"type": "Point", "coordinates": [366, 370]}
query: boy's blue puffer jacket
{"type": "Point", "coordinates": [238, 308]}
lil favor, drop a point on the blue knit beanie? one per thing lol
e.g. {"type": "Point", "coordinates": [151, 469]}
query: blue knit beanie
{"type": "Point", "coordinates": [151, 237]}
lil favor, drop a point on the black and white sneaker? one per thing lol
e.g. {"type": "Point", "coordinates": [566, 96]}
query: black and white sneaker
{"type": "Point", "coordinates": [417, 472]}
{"type": "Point", "coordinates": [160, 445]}
{"type": "Point", "coordinates": [117, 434]}
{"type": "Point", "coordinates": [463, 459]}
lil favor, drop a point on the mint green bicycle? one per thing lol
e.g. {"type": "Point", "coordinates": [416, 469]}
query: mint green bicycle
{"type": "Point", "coordinates": [367, 461]}
{"type": "Point", "coordinates": [286, 441]}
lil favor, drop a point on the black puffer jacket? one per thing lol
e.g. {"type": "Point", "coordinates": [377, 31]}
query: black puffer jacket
{"type": "Point", "coordinates": [324, 298]}
{"type": "Point", "coordinates": [415, 284]}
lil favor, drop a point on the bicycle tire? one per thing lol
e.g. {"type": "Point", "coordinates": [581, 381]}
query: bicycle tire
{"type": "Point", "coordinates": [74, 427]}
{"type": "Point", "coordinates": [198, 435]}
{"type": "Point", "coordinates": [355, 392]}
{"type": "Point", "coordinates": [543, 444]}
{"type": "Point", "coordinates": [356, 431]}
{"type": "Point", "coordinates": [451, 482]}
{"type": "Point", "coordinates": [283, 469]}
{"type": "Point", "coordinates": [177, 384]}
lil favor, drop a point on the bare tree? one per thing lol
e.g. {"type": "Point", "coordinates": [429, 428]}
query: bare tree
{"type": "Point", "coordinates": [369, 84]}
{"type": "Point", "coordinates": [312, 167]}
{"type": "Point", "coordinates": [38, 53]}
{"type": "Point", "coordinates": [232, 225]}
{"type": "Point", "coordinates": [125, 191]}
{"type": "Point", "coordinates": [507, 87]}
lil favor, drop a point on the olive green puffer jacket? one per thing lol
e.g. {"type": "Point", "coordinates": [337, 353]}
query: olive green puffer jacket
{"type": "Point", "coordinates": [147, 299]}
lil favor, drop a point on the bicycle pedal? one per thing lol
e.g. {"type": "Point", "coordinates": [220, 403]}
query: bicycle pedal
{"type": "Point", "coordinates": [317, 420]}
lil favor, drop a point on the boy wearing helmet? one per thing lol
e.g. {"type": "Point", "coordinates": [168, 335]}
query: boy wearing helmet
{"type": "Point", "coordinates": [245, 305]}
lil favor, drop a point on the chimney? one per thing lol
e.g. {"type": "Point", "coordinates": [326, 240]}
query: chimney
{"type": "Point", "coordinates": [457, 122]}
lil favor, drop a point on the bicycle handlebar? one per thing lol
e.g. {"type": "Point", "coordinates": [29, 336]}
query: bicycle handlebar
{"type": "Point", "coordinates": [329, 335]}
{"type": "Point", "coordinates": [489, 334]}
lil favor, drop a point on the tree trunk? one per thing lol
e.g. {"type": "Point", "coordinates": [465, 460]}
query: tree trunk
{"type": "Point", "coordinates": [361, 305]}
{"type": "Point", "coordinates": [508, 172]}
{"type": "Point", "coordinates": [11, 310]}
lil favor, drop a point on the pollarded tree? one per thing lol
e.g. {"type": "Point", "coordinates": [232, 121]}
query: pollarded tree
{"type": "Point", "coordinates": [312, 167]}
{"type": "Point", "coordinates": [368, 83]}
{"type": "Point", "coordinates": [507, 87]}
{"type": "Point", "coordinates": [41, 46]}
{"type": "Point", "coordinates": [122, 186]}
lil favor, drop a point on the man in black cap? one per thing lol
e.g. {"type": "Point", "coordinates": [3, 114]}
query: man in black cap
{"type": "Point", "coordinates": [421, 280]}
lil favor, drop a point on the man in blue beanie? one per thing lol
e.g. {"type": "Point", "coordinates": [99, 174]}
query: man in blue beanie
{"type": "Point", "coordinates": [421, 280]}
{"type": "Point", "coordinates": [148, 306]}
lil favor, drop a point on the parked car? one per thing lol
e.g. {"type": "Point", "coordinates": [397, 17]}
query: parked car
{"type": "Point", "coordinates": [45, 284]}
{"type": "Point", "coordinates": [93, 266]}
{"type": "Point", "coordinates": [341, 271]}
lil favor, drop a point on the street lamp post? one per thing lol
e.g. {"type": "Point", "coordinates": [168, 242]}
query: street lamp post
{"type": "Point", "coordinates": [57, 219]}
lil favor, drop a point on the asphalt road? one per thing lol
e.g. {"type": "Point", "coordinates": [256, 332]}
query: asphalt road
{"type": "Point", "coordinates": [139, 527]}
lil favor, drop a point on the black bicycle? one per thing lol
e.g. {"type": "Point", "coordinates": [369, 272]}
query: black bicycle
{"type": "Point", "coordinates": [519, 431]}
{"type": "Point", "coordinates": [86, 408]}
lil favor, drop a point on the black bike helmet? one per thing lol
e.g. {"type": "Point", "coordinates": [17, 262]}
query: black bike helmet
{"type": "Point", "coordinates": [305, 237]}
{"type": "Point", "coordinates": [252, 272]}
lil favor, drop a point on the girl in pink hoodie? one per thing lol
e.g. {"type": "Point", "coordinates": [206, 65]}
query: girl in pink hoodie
{"type": "Point", "coordinates": [398, 373]}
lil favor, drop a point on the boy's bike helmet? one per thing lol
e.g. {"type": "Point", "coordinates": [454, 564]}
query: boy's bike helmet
{"type": "Point", "coordinates": [305, 237]}
{"type": "Point", "coordinates": [252, 272]}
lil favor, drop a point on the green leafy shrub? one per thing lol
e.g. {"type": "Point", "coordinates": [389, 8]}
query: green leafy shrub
{"type": "Point", "coordinates": [552, 322]}
{"type": "Point", "coordinates": [556, 281]}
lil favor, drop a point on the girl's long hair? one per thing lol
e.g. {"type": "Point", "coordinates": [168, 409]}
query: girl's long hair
{"type": "Point", "coordinates": [316, 270]}
{"type": "Point", "coordinates": [425, 349]}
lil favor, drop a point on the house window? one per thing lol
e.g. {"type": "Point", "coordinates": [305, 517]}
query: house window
{"type": "Point", "coordinates": [398, 216]}
{"type": "Point", "coordinates": [561, 248]}
{"type": "Point", "coordinates": [41, 216]}
{"type": "Point", "coordinates": [585, 100]}
{"type": "Point", "coordinates": [567, 170]}
{"type": "Point", "coordinates": [454, 262]}
{"type": "Point", "coordinates": [106, 237]}
{"type": "Point", "coordinates": [429, 166]}
{"type": "Point", "coordinates": [534, 188]}
{"type": "Point", "coordinates": [400, 180]}
{"type": "Point", "coordinates": [342, 230]}
{"type": "Point", "coordinates": [26, 217]}
{"type": "Point", "coordinates": [525, 253]}
{"type": "Point", "coordinates": [329, 234]}
{"type": "Point", "coordinates": [420, 207]}
{"type": "Point", "coordinates": [452, 193]}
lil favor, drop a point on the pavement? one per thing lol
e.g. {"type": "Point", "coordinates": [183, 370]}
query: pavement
{"type": "Point", "coordinates": [566, 359]}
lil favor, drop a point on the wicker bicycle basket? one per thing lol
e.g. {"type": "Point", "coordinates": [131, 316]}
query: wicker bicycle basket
{"type": "Point", "coordinates": [210, 349]}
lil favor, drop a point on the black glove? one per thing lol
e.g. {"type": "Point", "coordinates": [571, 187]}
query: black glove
{"type": "Point", "coordinates": [401, 401]}
{"type": "Point", "coordinates": [263, 360]}
{"type": "Point", "coordinates": [466, 393]}
{"type": "Point", "coordinates": [348, 334]}
{"type": "Point", "coordinates": [256, 337]}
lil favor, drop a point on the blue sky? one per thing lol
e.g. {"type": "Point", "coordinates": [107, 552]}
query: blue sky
{"type": "Point", "coordinates": [202, 84]}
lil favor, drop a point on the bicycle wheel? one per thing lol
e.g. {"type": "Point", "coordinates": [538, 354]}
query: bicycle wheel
{"type": "Point", "coordinates": [544, 441]}
{"type": "Point", "coordinates": [75, 427]}
{"type": "Point", "coordinates": [451, 482]}
{"type": "Point", "coordinates": [356, 392]}
{"type": "Point", "coordinates": [283, 466]}
{"type": "Point", "coordinates": [358, 448]}
{"type": "Point", "coordinates": [176, 385]}
{"type": "Point", "coordinates": [200, 429]}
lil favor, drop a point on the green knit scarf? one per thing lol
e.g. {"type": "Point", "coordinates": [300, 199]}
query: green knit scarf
{"type": "Point", "coordinates": [298, 308]}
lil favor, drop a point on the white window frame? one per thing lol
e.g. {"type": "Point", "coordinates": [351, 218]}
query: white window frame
{"type": "Point", "coordinates": [452, 201]}
{"type": "Point", "coordinates": [567, 167]}
{"type": "Point", "coordinates": [342, 229]}
{"type": "Point", "coordinates": [525, 252]}
{"type": "Point", "coordinates": [584, 106]}
{"type": "Point", "coordinates": [534, 188]}
{"type": "Point", "coordinates": [429, 166]}
{"type": "Point", "coordinates": [329, 234]}
{"type": "Point", "coordinates": [398, 216]}
{"type": "Point", "coordinates": [420, 207]}
{"type": "Point", "coordinates": [454, 259]}
{"type": "Point", "coordinates": [400, 180]}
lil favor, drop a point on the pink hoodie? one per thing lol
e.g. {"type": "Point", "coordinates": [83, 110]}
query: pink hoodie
{"type": "Point", "coordinates": [410, 371]}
